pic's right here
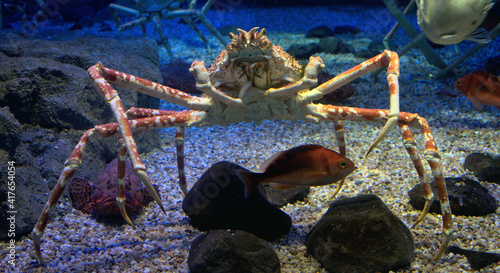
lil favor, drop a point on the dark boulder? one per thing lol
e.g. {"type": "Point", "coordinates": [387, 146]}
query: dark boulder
{"type": "Point", "coordinates": [232, 251]}
{"type": "Point", "coordinates": [467, 197]}
{"type": "Point", "coordinates": [217, 201]}
{"type": "Point", "coordinates": [360, 234]}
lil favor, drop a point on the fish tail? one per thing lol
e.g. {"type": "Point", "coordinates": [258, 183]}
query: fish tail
{"type": "Point", "coordinates": [249, 179]}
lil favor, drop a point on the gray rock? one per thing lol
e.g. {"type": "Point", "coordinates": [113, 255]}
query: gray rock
{"type": "Point", "coordinates": [10, 130]}
{"type": "Point", "coordinates": [217, 201]}
{"type": "Point", "coordinates": [360, 234]}
{"type": "Point", "coordinates": [300, 51]}
{"type": "Point", "coordinates": [51, 102]}
{"type": "Point", "coordinates": [486, 167]}
{"type": "Point", "coordinates": [232, 251]}
{"type": "Point", "coordinates": [467, 197]}
{"type": "Point", "coordinates": [319, 32]}
{"type": "Point", "coordinates": [329, 44]}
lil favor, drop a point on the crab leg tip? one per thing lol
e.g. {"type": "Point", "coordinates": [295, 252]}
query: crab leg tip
{"type": "Point", "coordinates": [36, 245]}
{"type": "Point", "coordinates": [121, 204]}
{"type": "Point", "coordinates": [444, 245]}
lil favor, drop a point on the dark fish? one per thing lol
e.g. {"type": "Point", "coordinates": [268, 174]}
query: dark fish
{"type": "Point", "coordinates": [306, 165]}
{"type": "Point", "coordinates": [99, 198]}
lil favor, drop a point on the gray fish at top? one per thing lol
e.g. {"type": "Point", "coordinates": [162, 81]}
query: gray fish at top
{"type": "Point", "coordinates": [449, 22]}
{"type": "Point", "coordinates": [306, 165]}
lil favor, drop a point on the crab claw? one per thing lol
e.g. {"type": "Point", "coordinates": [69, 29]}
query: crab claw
{"type": "Point", "coordinates": [385, 130]}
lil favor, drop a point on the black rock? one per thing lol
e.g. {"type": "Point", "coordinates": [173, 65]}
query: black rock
{"type": "Point", "coordinates": [319, 32]}
{"type": "Point", "coordinates": [486, 167]}
{"type": "Point", "coordinates": [10, 130]}
{"type": "Point", "coordinates": [217, 201]}
{"type": "Point", "coordinates": [303, 51]}
{"type": "Point", "coordinates": [334, 45]}
{"type": "Point", "coordinates": [329, 44]}
{"type": "Point", "coordinates": [281, 198]}
{"type": "Point", "coordinates": [477, 260]}
{"type": "Point", "coordinates": [231, 251]}
{"type": "Point", "coordinates": [346, 29]}
{"type": "Point", "coordinates": [467, 197]}
{"type": "Point", "coordinates": [360, 234]}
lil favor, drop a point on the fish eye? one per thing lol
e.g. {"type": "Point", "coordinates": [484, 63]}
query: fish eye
{"type": "Point", "coordinates": [343, 164]}
{"type": "Point", "coordinates": [473, 23]}
{"type": "Point", "coordinates": [459, 83]}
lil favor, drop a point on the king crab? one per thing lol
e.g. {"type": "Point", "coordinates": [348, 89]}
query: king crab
{"type": "Point", "coordinates": [251, 80]}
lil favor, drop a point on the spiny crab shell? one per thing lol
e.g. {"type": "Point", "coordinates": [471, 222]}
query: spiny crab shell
{"type": "Point", "coordinates": [251, 59]}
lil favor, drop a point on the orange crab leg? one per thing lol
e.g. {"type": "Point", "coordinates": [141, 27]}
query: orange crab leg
{"type": "Point", "coordinates": [383, 59]}
{"type": "Point", "coordinates": [335, 113]}
{"type": "Point", "coordinates": [120, 191]}
{"type": "Point", "coordinates": [179, 139]}
{"type": "Point", "coordinates": [98, 73]}
{"type": "Point", "coordinates": [411, 147]}
{"type": "Point", "coordinates": [72, 164]}
{"type": "Point", "coordinates": [179, 146]}
{"type": "Point", "coordinates": [340, 136]}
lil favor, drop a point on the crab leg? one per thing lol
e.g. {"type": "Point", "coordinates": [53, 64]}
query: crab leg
{"type": "Point", "coordinates": [335, 113]}
{"type": "Point", "coordinates": [179, 139]}
{"type": "Point", "coordinates": [340, 136]}
{"type": "Point", "coordinates": [159, 28]}
{"type": "Point", "coordinates": [194, 13]}
{"type": "Point", "coordinates": [72, 164]}
{"type": "Point", "coordinates": [309, 79]}
{"type": "Point", "coordinates": [385, 58]}
{"type": "Point", "coordinates": [100, 73]}
{"type": "Point", "coordinates": [120, 191]}
{"type": "Point", "coordinates": [203, 84]}
{"type": "Point", "coordinates": [411, 147]}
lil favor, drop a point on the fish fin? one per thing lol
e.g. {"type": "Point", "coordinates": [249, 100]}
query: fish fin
{"type": "Point", "coordinates": [475, 102]}
{"type": "Point", "coordinates": [480, 36]}
{"type": "Point", "coordinates": [489, 6]}
{"type": "Point", "coordinates": [80, 191]}
{"type": "Point", "coordinates": [249, 180]}
{"type": "Point", "coordinates": [280, 186]}
{"type": "Point", "coordinates": [270, 160]}
{"type": "Point", "coordinates": [488, 81]}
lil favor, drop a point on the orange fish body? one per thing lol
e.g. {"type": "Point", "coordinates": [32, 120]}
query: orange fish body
{"type": "Point", "coordinates": [306, 165]}
{"type": "Point", "coordinates": [482, 88]}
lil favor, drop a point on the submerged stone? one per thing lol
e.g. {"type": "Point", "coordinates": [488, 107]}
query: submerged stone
{"type": "Point", "coordinates": [217, 201]}
{"type": "Point", "coordinates": [232, 251]}
{"type": "Point", "coordinates": [360, 234]}
{"type": "Point", "coordinates": [486, 167]}
{"type": "Point", "coordinates": [467, 197]}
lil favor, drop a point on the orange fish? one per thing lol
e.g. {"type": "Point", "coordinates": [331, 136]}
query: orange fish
{"type": "Point", "coordinates": [306, 165]}
{"type": "Point", "coordinates": [482, 88]}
